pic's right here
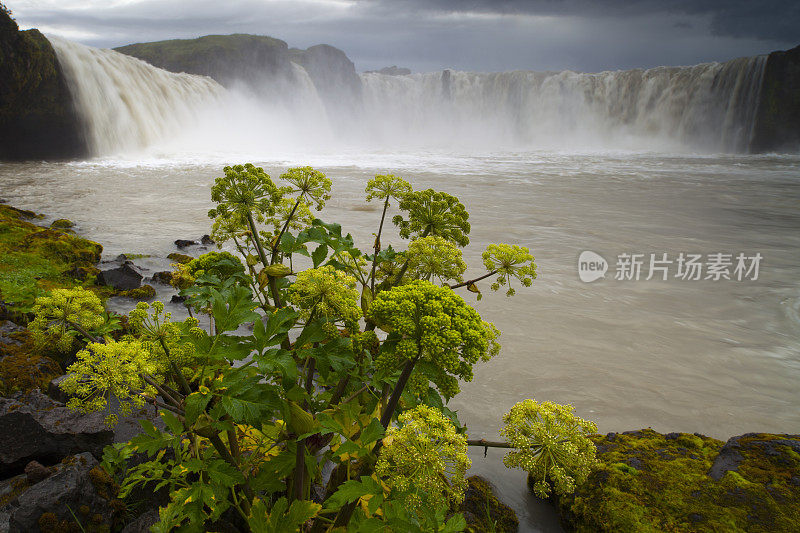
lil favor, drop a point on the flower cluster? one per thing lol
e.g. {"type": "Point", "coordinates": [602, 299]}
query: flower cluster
{"type": "Point", "coordinates": [433, 213]}
{"type": "Point", "coordinates": [244, 189]}
{"type": "Point", "coordinates": [551, 444]}
{"type": "Point", "coordinates": [329, 293]}
{"type": "Point", "coordinates": [112, 369]}
{"type": "Point", "coordinates": [436, 327]}
{"type": "Point", "coordinates": [61, 313]}
{"type": "Point", "coordinates": [164, 340]}
{"type": "Point", "coordinates": [435, 257]}
{"type": "Point", "coordinates": [509, 262]}
{"type": "Point", "coordinates": [424, 460]}
{"type": "Point", "coordinates": [312, 185]}
{"type": "Point", "coordinates": [387, 186]}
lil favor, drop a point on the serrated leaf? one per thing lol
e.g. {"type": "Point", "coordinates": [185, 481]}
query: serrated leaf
{"type": "Point", "coordinates": [372, 432]}
{"type": "Point", "coordinates": [319, 255]}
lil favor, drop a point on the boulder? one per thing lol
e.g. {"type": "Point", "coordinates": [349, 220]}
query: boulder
{"type": "Point", "coordinates": [206, 240]}
{"type": "Point", "coordinates": [123, 278]}
{"type": "Point", "coordinates": [36, 427]}
{"type": "Point", "coordinates": [163, 277]}
{"type": "Point", "coordinates": [184, 243]}
{"type": "Point", "coordinates": [180, 258]}
{"type": "Point", "coordinates": [75, 491]}
{"type": "Point", "coordinates": [483, 511]}
{"type": "Point", "coordinates": [646, 481]}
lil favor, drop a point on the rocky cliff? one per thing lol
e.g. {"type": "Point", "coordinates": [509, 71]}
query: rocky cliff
{"type": "Point", "coordinates": [777, 125]}
{"type": "Point", "coordinates": [252, 58]}
{"type": "Point", "coordinates": [37, 118]}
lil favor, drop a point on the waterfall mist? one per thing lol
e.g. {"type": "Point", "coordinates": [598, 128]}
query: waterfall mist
{"type": "Point", "coordinates": [130, 107]}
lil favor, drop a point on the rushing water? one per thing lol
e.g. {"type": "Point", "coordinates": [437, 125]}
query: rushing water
{"type": "Point", "coordinates": [558, 162]}
{"type": "Point", "coordinates": [717, 357]}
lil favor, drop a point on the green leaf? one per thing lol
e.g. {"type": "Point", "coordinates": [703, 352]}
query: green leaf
{"type": "Point", "coordinates": [456, 524]}
{"type": "Point", "coordinates": [311, 333]}
{"type": "Point", "coordinates": [372, 432]}
{"type": "Point", "coordinates": [195, 404]}
{"type": "Point", "coordinates": [319, 255]}
{"type": "Point", "coordinates": [350, 491]}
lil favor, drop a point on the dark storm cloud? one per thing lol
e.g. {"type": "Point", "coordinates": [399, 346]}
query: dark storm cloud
{"type": "Point", "coordinates": [427, 35]}
{"type": "Point", "coordinates": [774, 20]}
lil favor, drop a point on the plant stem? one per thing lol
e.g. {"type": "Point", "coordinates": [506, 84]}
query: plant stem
{"type": "Point", "coordinates": [283, 230]}
{"type": "Point", "coordinates": [471, 281]}
{"type": "Point", "coordinates": [346, 512]}
{"type": "Point", "coordinates": [377, 248]}
{"type": "Point", "coordinates": [83, 332]}
{"type": "Point", "coordinates": [179, 377]}
{"type": "Point", "coordinates": [223, 451]}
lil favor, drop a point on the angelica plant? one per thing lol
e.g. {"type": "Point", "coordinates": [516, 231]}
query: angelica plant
{"type": "Point", "coordinates": [325, 370]}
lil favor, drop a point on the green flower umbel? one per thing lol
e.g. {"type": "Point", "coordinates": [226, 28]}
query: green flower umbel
{"type": "Point", "coordinates": [329, 293]}
{"type": "Point", "coordinates": [437, 328]}
{"type": "Point", "coordinates": [550, 444]}
{"type": "Point", "coordinates": [61, 313]}
{"type": "Point", "coordinates": [424, 460]}
{"type": "Point", "coordinates": [433, 213]}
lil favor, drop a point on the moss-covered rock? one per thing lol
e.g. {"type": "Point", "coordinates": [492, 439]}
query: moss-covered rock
{"type": "Point", "coordinates": [483, 511]}
{"type": "Point", "coordinates": [682, 482]}
{"type": "Point", "coordinates": [34, 260]}
{"type": "Point", "coordinates": [145, 292]}
{"type": "Point", "coordinates": [179, 258]}
{"type": "Point", "coordinates": [24, 371]}
{"type": "Point", "coordinates": [62, 223]}
{"type": "Point", "coordinates": [37, 117]}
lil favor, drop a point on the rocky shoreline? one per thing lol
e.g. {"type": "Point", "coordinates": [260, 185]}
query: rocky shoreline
{"type": "Point", "coordinates": [51, 478]}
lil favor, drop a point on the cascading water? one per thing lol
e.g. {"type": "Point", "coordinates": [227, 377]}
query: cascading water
{"type": "Point", "coordinates": [127, 104]}
{"type": "Point", "coordinates": [710, 107]}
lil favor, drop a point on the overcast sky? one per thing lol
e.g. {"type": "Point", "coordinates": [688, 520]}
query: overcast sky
{"type": "Point", "coordinates": [428, 35]}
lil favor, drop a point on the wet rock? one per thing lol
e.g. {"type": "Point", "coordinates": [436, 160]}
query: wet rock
{"type": "Point", "coordinates": [145, 292]}
{"type": "Point", "coordinates": [70, 494]}
{"type": "Point", "coordinates": [206, 240]}
{"type": "Point", "coordinates": [647, 481]}
{"type": "Point", "coordinates": [54, 389]}
{"type": "Point", "coordinates": [36, 472]}
{"type": "Point", "coordinates": [483, 511]}
{"type": "Point", "coordinates": [177, 299]}
{"type": "Point", "coordinates": [36, 427]}
{"type": "Point", "coordinates": [164, 277]}
{"type": "Point", "coordinates": [123, 278]}
{"type": "Point", "coordinates": [143, 523]}
{"type": "Point", "coordinates": [180, 258]}
{"type": "Point", "coordinates": [62, 223]}
{"type": "Point", "coordinates": [184, 243]}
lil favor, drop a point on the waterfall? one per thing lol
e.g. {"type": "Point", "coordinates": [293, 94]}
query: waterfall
{"type": "Point", "coordinates": [709, 107]}
{"type": "Point", "coordinates": [128, 105]}
{"type": "Point", "coordinates": [125, 103]}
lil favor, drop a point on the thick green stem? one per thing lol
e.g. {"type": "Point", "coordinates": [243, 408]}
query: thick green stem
{"type": "Point", "coordinates": [377, 248]}
{"type": "Point", "coordinates": [231, 460]}
{"type": "Point", "coordinates": [283, 230]}
{"type": "Point", "coordinates": [273, 286]}
{"type": "Point", "coordinates": [83, 332]}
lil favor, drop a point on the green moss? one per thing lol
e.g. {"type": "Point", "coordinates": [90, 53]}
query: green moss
{"type": "Point", "coordinates": [483, 511]}
{"type": "Point", "coordinates": [34, 260]}
{"type": "Point", "coordinates": [62, 223]}
{"type": "Point", "coordinates": [647, 481]}
{"type": "Point", "coordinates": [145, 292]}
{"type": "Point", "coordinates": [182, 259]}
